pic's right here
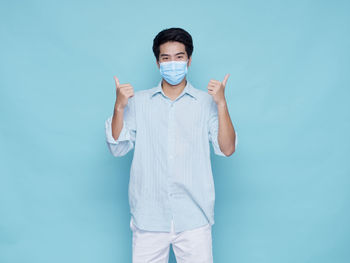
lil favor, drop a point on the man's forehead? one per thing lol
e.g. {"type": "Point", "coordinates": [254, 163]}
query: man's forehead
{"type": "Point", "coordinates": [172, 47]}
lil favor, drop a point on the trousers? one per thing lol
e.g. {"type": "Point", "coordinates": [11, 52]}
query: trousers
{"type": "Point", "coordinates": [191, 246]}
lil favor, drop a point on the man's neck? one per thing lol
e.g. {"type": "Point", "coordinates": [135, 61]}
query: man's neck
{"type": "Point", "coordinates": [173, 91]}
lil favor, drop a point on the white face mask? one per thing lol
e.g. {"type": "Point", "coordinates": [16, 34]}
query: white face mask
{"type": "Point", "coordinates": [173, 71]}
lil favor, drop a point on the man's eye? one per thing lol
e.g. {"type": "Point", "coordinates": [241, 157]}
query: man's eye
{"type": "Point", "coordinates": [180, 57]}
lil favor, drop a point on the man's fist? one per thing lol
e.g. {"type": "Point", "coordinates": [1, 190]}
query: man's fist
{"type": "Point", "coordinates": [217, 90]}
{"type": "Point", "coordinates": [124, 92]}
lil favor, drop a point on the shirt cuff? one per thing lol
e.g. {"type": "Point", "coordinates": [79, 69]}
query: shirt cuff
{"type": "Point", "coordinates": [123, 136]}
{"type": "Point", "coordinates": [217, 149]}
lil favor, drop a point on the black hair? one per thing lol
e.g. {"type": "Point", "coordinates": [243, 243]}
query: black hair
{"type": "Point", "coordinates": [173, 34]}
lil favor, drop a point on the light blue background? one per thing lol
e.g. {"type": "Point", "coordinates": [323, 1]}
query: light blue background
{"type": "Point", "coordinates": [283, 196]}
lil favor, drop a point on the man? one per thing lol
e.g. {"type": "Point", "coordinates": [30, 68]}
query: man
{"type": "Point", "coordinates": [171, 188]}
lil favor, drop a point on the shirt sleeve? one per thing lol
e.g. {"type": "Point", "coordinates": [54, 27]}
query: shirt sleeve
{"type": "Point", "coordinates": [214, 128]}
{"type": "Point", "coordinates": [127, 136]}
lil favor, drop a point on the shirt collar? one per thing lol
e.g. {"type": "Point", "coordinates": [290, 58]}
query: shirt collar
{"type": "Point", "coordinates": [188, 89]}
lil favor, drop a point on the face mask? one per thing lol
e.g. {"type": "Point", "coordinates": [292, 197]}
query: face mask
{"type": "Point", "coordinates": [173, 71]}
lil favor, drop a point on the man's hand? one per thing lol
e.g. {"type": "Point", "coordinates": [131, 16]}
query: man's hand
{"type": "Point", "coordinates": [124, 92]}
{"type": "Point", "coordinates": [226, 132]}
{"type": "Point", "coordinates": [217, 90]}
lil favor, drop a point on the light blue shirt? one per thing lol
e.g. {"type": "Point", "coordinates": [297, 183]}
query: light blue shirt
{"type": "Point", "coordinates": [171, 175]}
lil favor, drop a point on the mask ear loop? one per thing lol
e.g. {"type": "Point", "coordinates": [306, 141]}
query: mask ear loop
{"type": "Point", "coordinates": [187, 66]}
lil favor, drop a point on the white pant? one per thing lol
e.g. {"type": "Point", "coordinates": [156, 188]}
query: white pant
{"type": "Point", "coordinates": [192, 246]}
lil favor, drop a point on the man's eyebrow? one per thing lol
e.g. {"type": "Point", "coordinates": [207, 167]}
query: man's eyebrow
{"type": "Point", "coordinates": [180, 53]}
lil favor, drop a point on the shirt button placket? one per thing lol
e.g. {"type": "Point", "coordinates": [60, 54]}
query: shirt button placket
{"type": "Point", "coordinates": [171, 134]}
{"type": "Point", "coordinates": [171, 144]}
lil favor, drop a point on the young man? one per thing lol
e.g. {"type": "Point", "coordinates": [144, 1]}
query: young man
{"type": "Point", "coordinates": [171, 188]}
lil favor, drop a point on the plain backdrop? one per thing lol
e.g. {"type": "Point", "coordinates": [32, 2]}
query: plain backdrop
{"type": "Point", "coordinates": [283, 196]}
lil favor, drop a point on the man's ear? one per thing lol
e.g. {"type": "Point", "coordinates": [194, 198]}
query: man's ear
{"type": "Point", "coordinates": [157, 63]}
{"type": "Point", "coordinates": [189, 61]}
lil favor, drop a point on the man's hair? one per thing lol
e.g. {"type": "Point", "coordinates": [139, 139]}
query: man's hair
{"type": "Point", "coordinates": [173, 34]}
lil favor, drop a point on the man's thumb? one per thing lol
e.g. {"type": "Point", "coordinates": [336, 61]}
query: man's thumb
{"type": "Point", "coordinates": [116, 81]}
{"type": "Point", "coordinates": [225, 79]}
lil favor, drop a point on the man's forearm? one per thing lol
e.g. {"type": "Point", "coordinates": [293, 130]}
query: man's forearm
{"type": "Point", "coordinates": [117, 121]}
{"type": "Point", "coordinates": [226, 133]}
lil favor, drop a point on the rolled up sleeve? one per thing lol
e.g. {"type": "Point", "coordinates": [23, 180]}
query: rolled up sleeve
{"type": "Point", "coordinates": [214, 129]}
{"type": "Point", "coordinates": [127, 136]}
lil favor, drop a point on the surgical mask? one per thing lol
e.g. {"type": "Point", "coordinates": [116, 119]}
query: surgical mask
{"type": "Point", "coordinates": [173, 71]}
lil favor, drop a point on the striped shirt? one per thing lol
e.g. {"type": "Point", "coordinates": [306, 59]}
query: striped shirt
{"type": "Point", "coordinates": [171, 175]}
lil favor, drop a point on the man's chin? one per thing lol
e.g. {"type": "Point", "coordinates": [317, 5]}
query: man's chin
{"type": "Point", "coordinates": [175, 84]}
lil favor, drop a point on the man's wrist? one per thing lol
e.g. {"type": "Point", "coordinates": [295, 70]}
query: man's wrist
{"type": "Point", "coordinates": [118, 108]}
{"type": "Point", "coordinates": [222, 104]}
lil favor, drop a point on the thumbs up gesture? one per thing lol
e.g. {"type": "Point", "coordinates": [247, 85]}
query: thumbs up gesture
{"type": "Point", "coordinates": [217, 90]}
{"type": "Point", "coordinates": [124, 92]}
